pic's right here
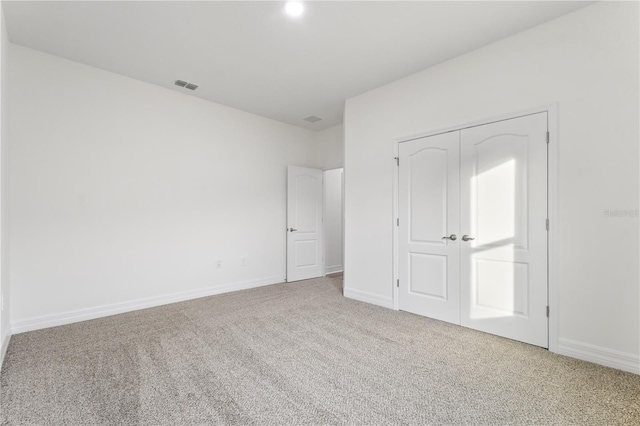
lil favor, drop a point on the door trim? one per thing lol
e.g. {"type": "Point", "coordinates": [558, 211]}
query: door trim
{"type": "Point", "coordinates": [552, 196]}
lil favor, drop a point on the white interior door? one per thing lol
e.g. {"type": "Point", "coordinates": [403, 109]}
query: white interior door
{"type": "Point", "coordinates": [503, 207]}
{"type": "Point", "coordinates": [305, 249]}
{"type": "Point", "coordinates": [428, 267]}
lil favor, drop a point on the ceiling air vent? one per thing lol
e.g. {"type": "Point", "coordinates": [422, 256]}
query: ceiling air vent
{"type": "Point", "coordinates": [186, 85]}
{"type": "Point", "coordinates": [312, 119]}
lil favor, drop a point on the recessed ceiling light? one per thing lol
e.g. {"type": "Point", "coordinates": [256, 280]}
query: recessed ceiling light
{"type": "Point", "coordinates": [294, 8]}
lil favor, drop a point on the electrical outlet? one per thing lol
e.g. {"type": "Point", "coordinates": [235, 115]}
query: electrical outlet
{"type": "Point", "coordinates": [218, 264]}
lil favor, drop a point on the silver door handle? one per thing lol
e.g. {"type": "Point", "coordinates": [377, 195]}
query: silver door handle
{"type": "Point", "coordinates": [291, 229]}
{"type": "Point", "coordinates": [467, 238]}
{"type": "Point", "coordinates": [451, 237]}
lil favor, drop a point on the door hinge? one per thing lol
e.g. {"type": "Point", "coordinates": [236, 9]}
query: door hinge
{"type": "Point", "coordinates": [547, 224]}
{"type": "Point", "coordinates": [547, 312]}
{"type": "Point", "coordinates": [547, 136]}
{"type": "Point", "coordinates": [397, 160]}
{"type": "Point", "coordinates": [398, 282]}
{"type": "Point", "coordinates": [398, 222]}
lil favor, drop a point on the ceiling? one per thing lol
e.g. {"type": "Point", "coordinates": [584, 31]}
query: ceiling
{"type": "Point", "coordinates": [253, 57]}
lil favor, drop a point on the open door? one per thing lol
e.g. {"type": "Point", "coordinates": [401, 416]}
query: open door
{"type": "Point", "coordinates": [305, 247]}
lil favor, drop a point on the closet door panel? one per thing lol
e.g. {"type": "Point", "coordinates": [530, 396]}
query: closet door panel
{"type": "Point", "coordinates": [503, 212]}
{"type": "Point", "coordinates": [428, 216]}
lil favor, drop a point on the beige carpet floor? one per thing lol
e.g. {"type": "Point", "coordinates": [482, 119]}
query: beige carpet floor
{"type": "Point", "coordinates": [298, 354]}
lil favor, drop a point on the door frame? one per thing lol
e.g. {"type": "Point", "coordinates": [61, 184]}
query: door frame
{"type": "Point", "coordinates": [552, 196]}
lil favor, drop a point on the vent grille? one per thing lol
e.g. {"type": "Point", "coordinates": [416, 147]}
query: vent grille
{"type": "Point", "coordinates": [312, 119]}
{"type": "Point", "coordinates": [185, 84]}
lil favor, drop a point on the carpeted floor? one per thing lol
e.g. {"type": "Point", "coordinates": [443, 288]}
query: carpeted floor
{"type": "Point", "coordinates": [295, 354]}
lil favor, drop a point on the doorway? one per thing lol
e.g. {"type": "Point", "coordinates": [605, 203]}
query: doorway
{"type": "Point", "coordinates": [333, 220]}
{"type": "Point", "coordinates": [471, 231]}
{"type": "Point", "coordinates": [315, 222]}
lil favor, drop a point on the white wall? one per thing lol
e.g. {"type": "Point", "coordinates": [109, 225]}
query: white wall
{"type": "Point", "coordinates": [329, 147]}
{"type": "Point", "coordinates": [333, 220]}
{"type": "Point", "coordinates": [587, 62]}
{"type": "Point", "coordinates": [122, 191]}
{"type": "Point", "coordinates": [5, 329]}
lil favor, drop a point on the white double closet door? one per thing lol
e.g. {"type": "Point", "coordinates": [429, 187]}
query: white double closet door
{"type": "Point", "coordinates": [472, 234]}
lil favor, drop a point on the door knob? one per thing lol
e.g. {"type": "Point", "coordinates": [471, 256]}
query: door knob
{"type": "Point", "coordinates": [467, 238]}
{"type": "Point", "coordinates": [451, 237]}
{"type": "Point", "coordinates": [291, 229]}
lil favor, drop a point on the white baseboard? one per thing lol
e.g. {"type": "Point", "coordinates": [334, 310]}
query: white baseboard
{"type": "Point", "coordinates": [365, 296]}
{"type": "Point", "coordinates": [333, 269]}
{"type": "Point", "coordinates": [69, 317]}
{"type": "Point", "coordinates": [3, 349]}
{"type": "Point", "coordinates": [599, 355]}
